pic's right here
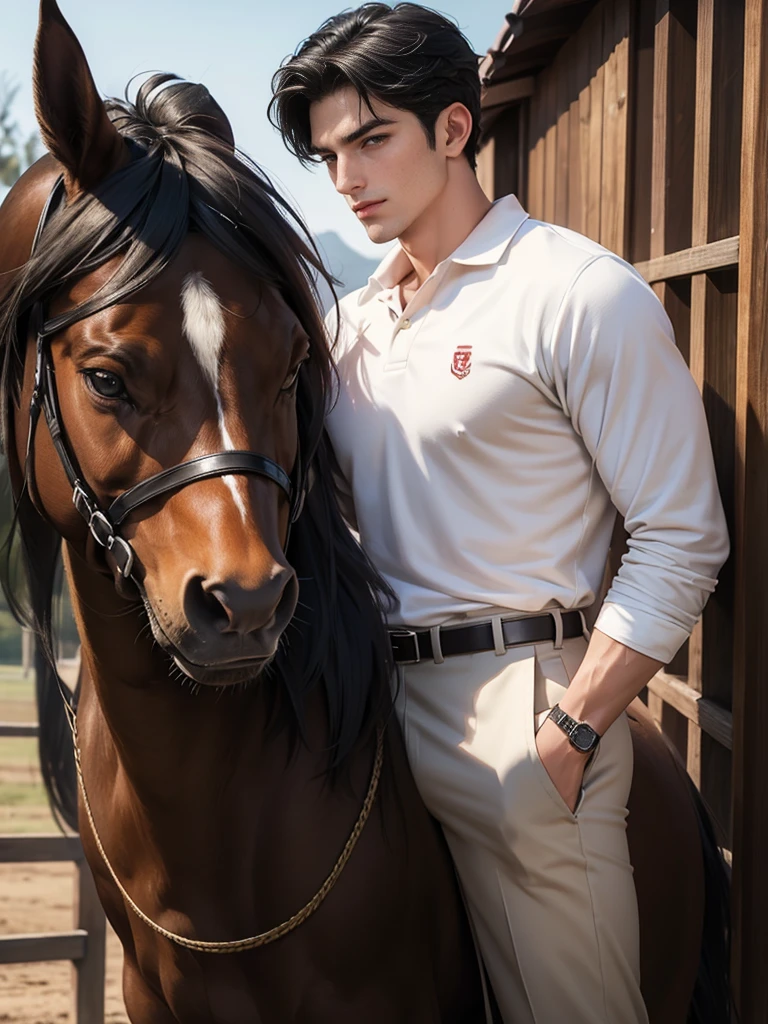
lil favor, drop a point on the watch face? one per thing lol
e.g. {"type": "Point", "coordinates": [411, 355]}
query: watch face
{"type": "Point", "coordinates": [584, 738]}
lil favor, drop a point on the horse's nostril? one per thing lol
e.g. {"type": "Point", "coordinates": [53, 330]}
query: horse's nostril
{"type": "Point", "coordinates": [221, 613]}
{"type": "Point", "coordinates": [225, 606]}
{"type": "Point", "coordinates": [204, 607]}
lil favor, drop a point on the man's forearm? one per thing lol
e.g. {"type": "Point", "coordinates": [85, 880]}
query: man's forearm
{"type": "Point", "coordinates": [607, 681]}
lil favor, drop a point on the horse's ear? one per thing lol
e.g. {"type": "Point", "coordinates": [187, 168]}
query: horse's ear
{"type": "Point", "coordinates": [71, 114]}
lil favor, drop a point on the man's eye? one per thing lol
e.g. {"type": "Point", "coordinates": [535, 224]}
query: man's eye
{"type": "Point", "coordinates": [106, 384]}
{"type": "Point", "coordinates": [375, 139]}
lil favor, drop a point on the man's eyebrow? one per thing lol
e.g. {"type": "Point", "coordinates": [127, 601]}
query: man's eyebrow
{"type": "Point", "coordinates": [358, 133]}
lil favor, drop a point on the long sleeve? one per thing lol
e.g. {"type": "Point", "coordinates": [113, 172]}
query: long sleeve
{"type": "Point", "coordinates": [620, 378]}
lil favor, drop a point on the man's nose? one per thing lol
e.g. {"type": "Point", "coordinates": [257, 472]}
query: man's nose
{"type": "Point", "coordinates": [348, 178]}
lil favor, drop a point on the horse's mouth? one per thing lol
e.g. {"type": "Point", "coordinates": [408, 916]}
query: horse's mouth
{"type": "Point", "coordinates": [223, 673]}
{"type": "Point", "coordinates": [228, 673]}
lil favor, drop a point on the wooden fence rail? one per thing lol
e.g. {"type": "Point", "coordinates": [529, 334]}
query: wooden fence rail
{"type": "Point", "coordinates": [85, 945]}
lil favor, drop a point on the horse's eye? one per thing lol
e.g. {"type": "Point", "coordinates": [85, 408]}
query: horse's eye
{"type": "Point", "coordinates": [106, 384]}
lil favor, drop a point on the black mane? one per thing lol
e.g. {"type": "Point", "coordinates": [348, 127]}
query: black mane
{"type": "Point", "coordinates": [186, 175]}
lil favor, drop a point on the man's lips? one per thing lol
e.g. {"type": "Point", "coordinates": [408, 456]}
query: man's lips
{"type": "Point", "coordinates": [361, 209]}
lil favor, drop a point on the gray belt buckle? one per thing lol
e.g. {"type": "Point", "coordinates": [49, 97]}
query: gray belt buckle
{"type": "Point", "coordinates": [406, 634]}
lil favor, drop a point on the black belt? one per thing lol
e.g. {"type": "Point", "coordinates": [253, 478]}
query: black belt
{"type": "Point", "coordinates": [411, 646]}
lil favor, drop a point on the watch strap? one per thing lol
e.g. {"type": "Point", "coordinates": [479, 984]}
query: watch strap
{"type": "Point", "coordinates": [568, 724]}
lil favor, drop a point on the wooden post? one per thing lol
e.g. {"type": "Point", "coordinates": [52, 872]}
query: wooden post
{"type": "Point", "coordinates": [89, 972]}
{"type": "Point", "coordinates": [750, 697]}
{"type": "Point", "coordinates": [712, 357]}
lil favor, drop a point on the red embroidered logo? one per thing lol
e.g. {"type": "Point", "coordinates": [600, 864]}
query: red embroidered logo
{"type": "Point", "coordinates": [462, 361]}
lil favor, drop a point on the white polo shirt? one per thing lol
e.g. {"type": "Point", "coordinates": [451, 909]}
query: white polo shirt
{"type": "Point", "coordinates": [489, 430]}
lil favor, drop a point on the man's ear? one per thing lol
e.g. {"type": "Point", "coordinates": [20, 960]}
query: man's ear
{"type": "Point", "coordinates": [72, 117]}
{"type": "Point", "coordinates": [454, 127]}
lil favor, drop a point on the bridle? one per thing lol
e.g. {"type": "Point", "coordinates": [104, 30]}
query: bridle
{"type": "Point", "coordinates": [104, 523]}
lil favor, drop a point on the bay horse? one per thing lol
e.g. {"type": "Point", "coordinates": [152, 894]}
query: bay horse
{"type": "Point", "coordinates": [240, 785]}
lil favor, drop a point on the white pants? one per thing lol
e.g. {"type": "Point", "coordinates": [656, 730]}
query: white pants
{"type": "Point", "coordinates": [550, 892]}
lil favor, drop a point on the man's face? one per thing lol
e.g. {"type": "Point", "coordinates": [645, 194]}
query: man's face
{"type": "Point", "coordinates": [380, 162]}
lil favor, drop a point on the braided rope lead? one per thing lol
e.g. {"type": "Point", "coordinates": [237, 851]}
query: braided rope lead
{"type": "Point", "coordinates": [255, 941]}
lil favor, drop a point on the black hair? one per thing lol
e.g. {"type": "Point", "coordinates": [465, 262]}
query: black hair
{"type": "Point", "coordinates": [407, 56]}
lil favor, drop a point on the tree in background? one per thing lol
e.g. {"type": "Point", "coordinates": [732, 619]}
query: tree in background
{"type": "Point", "coordinates": [17, 152]}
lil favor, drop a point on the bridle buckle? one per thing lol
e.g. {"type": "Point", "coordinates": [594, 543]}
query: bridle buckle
{"type": "Point", "coordinates": [122, 552]}
{"type": "Point", "coordinates": [103, 532]}
{"type": "Point", "coordinates": [101, 529]}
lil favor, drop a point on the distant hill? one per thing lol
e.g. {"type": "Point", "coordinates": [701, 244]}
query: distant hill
{"type": "Point", "coordinates": [349, 266]}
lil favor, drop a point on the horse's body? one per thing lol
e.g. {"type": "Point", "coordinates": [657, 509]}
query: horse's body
{"type": "Point", "coordinates": [213, 799]}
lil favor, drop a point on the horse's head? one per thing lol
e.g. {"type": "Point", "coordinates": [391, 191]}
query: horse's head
{"type": "Point", "coordinates": [183, 324]}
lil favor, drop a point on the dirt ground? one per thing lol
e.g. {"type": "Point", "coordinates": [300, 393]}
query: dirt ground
{"type": "Point", "coordinates": [37, 897]}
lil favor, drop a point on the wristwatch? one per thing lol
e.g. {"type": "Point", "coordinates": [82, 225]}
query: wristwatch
{"type": "Point", "coordinates": [581, 735]}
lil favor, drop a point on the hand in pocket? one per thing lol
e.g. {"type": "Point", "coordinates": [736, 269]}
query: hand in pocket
{"type": "Point", "coordinates": [563, 763]}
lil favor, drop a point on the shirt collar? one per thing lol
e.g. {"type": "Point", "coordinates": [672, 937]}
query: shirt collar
{"type": "Point", "coordinates": [484, 246]}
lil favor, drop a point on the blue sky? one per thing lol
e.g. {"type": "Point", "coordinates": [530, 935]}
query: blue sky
{"type": "Point", "coordinates": [233, 46]}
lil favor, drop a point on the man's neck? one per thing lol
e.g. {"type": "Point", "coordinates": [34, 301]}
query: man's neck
{"type": "Point", "coordinates": [445, 224]}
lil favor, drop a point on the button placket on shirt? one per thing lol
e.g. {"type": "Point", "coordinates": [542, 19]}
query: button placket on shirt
{"type": "Point", "coordinates": [411, 321]}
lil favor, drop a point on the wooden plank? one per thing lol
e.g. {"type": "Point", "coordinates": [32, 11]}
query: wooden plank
{"type": "Point", "coordinates": [90, 970]}
{"type": "Point", "coordinates": [28, 949]}
{"type": "Point", "coordinates": [696, 260]}
{"type": "Point", "coordinates": [718, 294]}
{"type": "Point", "coordinates": [585, 101]}
{"type": "Point", "coordinates": [536, 158]}
{"type": "Point", "coordinates": [523, 122]}
{"type": "Point", "coordinates": [728, 76]}
{"type": "Point", "coordinates": [750, 696]}
{"type": "Point", "coordinates": [711, 718]}
{"type": "Point", "coordinates": [508, 92]}
{"type": "Point", "coordinates": [40, 849]}
{"type": "Point", "coordinates": [674, 725]}
{"type": "Point", "coordinates": [672, 158]}
{"type": "Point", "coordinates": [702, 156]}
{"type": "Point", "coordinates": [560, 70]}
{"type": "Point", "coordinates": [660, 131]}
{"type": "Point", "coordinates": [699, 237]}
{"type": "Point", "coordinates": [550, 143]}
{"type": "Point", "coordinates": [693, 753]}
{"type": "Point", "coordinates": [674, 120]}
{"type": "Point", "coordinates": [641, 132]}
{"type": "Point", "coordinates": [574, 138]}
{"type": "Point", "coordinates": [613, 214]}
{"type": "Point", "coordinates": [18, 729]}
{"type": "Point", "coordinates": [578, 69]}
{"type": "Point", "coordinates": [595, 142]}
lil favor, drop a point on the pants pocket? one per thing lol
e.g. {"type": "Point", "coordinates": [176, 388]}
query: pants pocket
{"type": "Point", "coordinates": [551, 681]}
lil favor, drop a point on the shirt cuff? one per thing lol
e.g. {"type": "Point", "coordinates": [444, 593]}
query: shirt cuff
{"type": "Point", "coordinates": [647, 634]}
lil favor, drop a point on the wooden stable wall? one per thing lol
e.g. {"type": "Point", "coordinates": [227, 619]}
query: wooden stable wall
{"type": "Point", "coordinates": [649, 133]}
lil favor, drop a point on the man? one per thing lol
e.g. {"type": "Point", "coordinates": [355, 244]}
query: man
{"type": "Point", "coordinates": [505, 386]}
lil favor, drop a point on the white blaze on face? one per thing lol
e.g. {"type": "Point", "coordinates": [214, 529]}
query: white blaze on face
{"type": "Point", "coordinates": [205, 331]}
